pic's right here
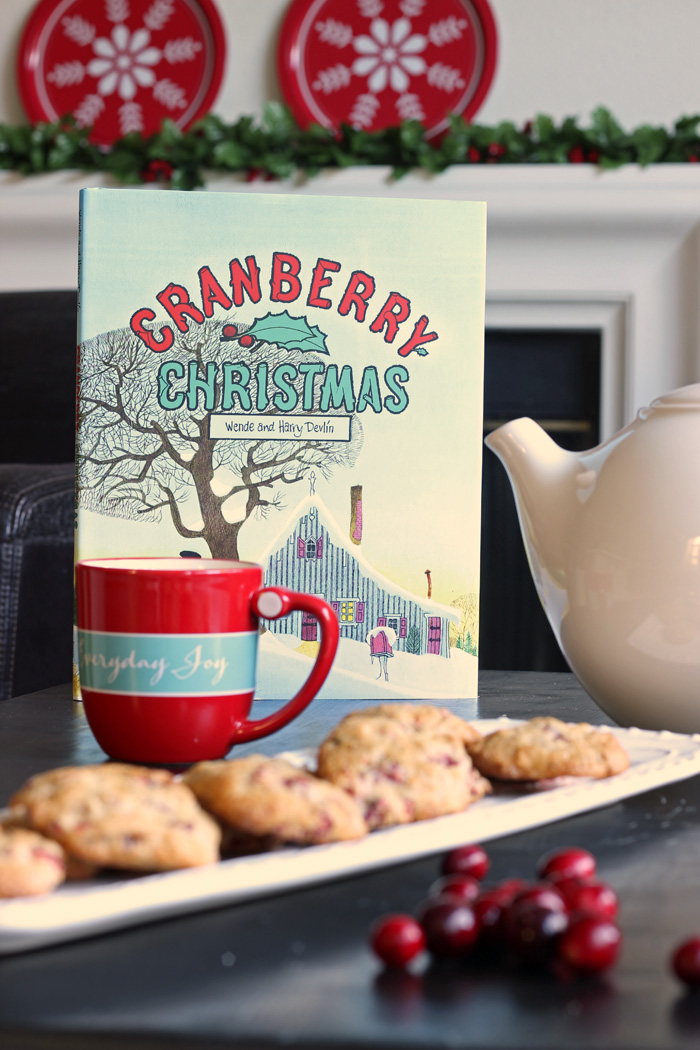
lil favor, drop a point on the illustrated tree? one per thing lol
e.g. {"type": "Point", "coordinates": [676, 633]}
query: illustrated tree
{"type": "Point", "coordinates": [139, 460]}
{"type": "Point", "coordinates": [413, 640]}
{"type": "Point", "coordinates": [468, 628]}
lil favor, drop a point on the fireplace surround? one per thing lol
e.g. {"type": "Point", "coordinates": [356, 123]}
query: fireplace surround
{"type": "Point", "coordinates": [608, 256]}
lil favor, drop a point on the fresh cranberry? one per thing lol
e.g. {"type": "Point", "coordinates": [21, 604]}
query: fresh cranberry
{"type": "Point", "coordinates": [508, 888]}
{"type": "Point", "coordinates": [685, 962]}
{"type": "Point", "coordinates": [540, 895]}
{"type": "Point", "coordinates": [396, 939]}
{"type": "Point", "coordinates": [590, 944]}
{"type": "Point", "coordinates": [489, 908]}
{"type": "Point", "coordinates": [461, 887]}
{"type": "Point", "coordinates": [450, 927]}
{"type": "Point", "coordinates": [593, 898]}
{"type": "Point", "coordinates": [567, 862]}
{"type": "Point", "coordinates": [532, 931]}
{"type": "Point", "coordinates": [467, 860]}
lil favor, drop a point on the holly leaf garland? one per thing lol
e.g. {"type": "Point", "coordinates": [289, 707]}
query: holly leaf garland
{"type": "Point", "coordinates": [290, 333]}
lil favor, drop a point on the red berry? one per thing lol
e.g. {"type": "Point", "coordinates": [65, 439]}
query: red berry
{"type": "Point", "coordinates": [229, 331]}
{"type": "Point", "coordinates": [473, 154]}
{"type": "Point", "coordinates": [532, 931]}
{"type": "Point", "coordinates": [593, 156]}
{"type": "Point", "coordinates": [450, 927]}
{"type": "Point", "coordinates": [594, 898]}
{"type": "Point", "coordinates": [460, 887]}
{"type": "Point", "coordinates": [246, 340]}
{"type": "Point", "coordinates": [467, 860]}
{"type": "Point", "coordinates": [396, 939]}
{"type": "Point", "coordinates": [576, 155]}
{"type": "Point", "coordinates": [567, 862]}
{"type": "Point", "coordinates": [590, 944]}
{"type": "Point", "coordinates": [495, 151]}
{"type": "Point", "coordinates": [692, 158]}
{"type": "Point", "coordinates": [685, 962]}
{"type": "Point", "coordinates": [540, 895]}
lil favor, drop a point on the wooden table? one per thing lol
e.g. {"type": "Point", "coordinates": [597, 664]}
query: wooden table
{"type": "Point", "coordinates": [295, 970]}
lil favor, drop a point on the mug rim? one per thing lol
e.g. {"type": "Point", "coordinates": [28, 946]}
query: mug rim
{"type": "Point", "coordinates": [166, 564]}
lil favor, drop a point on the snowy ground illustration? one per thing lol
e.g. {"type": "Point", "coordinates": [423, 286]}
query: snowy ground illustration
{"type": "Point", "coordinates": [354, 676]}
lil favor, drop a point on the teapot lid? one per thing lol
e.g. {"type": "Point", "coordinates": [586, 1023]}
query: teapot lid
{"type": "Point", "coordinates": [684, 397]}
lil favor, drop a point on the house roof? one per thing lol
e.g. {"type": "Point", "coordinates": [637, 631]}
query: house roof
{"type": "Point", "coordinates": [339, 538]}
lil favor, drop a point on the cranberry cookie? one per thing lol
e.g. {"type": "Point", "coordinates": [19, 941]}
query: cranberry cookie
{"type": "Point", "coordinates": [29, 863]}
{"type": "Point", "coordinates": [426, 718]}
{"type": "Point", "coordinates": [119, 816]}
{"type": "Point", "coordinates": [544, 748]}
{"type": "Point", "coordinates": [265, 797]}
{"type": "Point", "coordinates": [399, 773]}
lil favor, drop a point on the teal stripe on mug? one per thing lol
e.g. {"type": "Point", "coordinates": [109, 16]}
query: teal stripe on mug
{"type": "Point", "coordinates": [168, 664]}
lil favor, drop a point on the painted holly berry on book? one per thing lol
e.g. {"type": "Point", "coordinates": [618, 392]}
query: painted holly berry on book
{"type": "Point", "coordinates": [294, 380]}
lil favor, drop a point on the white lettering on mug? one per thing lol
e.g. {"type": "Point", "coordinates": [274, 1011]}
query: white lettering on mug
{"type": "Point", "coordinates": [193, 661]}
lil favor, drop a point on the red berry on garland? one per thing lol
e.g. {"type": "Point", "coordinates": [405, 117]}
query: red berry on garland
{"type": "Point", "coordinates": [396, 939]}
{"type": "Point", "coordinates": [590, 944]}
{"type": "Point", "coordinates": [473, 155]}
{"type": "Point", "coordinates": [567, 862]}
{"type": "Point", "coordinates": [685, 962]}
{"type": "Point", "coordinates": [467, 860]}
{"type": "Point", "coordinates": [576, 155]}
{"type": "Point", "coordinates": [460, 887]}
{"type": "Point", "coordinates": [527, 127]}
{"type": "Point", "coordinates": [593, 156]}
{"type": "Point", "coordinates": [157, 171]}
{"type": "Point", "coordinates": [495, 151]}
{"type": "Point", "coordinates": [450, 927]}
{"type": "Point", "coordinates": [693, 158]}
{"type": "Point", "coordinates": [246, 340]}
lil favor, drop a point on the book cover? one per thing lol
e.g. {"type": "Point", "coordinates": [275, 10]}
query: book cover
{"type": "Point", "coordinates": [295, 380]}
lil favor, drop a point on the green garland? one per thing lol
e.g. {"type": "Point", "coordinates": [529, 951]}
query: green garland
{"type": "Point", "coordinates": [276, 147]}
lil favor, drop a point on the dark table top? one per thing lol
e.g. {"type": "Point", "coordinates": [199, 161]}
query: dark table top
{"type": "Point", "coordinates": [295, 971]}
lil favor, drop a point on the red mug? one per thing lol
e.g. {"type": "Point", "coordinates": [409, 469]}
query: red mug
{"type": "Point", "coordinates": [167, 651]}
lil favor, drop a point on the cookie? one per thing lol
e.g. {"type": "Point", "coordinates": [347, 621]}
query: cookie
{"type": "Point", "coordinates": [426, 718]}
{"type": "Point", "coordinates": [29, 863]}
{"type": "Point", "coordinates": [266, 797]}
{"type": "Point", "coordinates": [398, 773]}
{"type": "Point", "coordinates": [120, 816]}
{"type": "Point", "coordinates": [544, 748]}
{"type": "Point", "coordinates": [75, 869]}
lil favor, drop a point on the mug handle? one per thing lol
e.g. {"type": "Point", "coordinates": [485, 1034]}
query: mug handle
{"type": "Point", "coordinates": [272, 603]}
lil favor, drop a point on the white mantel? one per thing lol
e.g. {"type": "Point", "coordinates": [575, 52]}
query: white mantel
{"type": "Point", "coordinates": [568, 247]}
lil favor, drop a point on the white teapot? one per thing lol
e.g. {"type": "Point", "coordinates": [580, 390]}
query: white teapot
{"type": "Point", "coordinates": [613, 540]}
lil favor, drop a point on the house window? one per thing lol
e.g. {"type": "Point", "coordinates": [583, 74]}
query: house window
{"type": "Point", "coordinates": [393, 622]}
{"type": "Point", "coordinates": [311, 548]}
{"type": "Point", "coordinates": [350, 610]}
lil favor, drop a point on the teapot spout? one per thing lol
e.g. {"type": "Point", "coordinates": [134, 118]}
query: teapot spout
{"type": "Point", "coordinates": [542, 476]}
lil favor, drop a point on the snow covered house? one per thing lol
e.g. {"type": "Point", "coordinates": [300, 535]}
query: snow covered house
{"type": "Point", "coordinates": [312, 554]}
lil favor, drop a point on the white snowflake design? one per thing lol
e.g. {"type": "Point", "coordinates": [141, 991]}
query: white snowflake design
{"type": "Point", "coordinates": [389, 55]}
{"type": "Point", "coordinates": [124, 62]}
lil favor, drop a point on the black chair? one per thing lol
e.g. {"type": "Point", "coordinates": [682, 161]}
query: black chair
{"type": "Point", "coordinates": [37, 396]}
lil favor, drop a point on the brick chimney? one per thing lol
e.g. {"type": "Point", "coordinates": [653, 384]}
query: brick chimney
{"type": "Point", "coordinates": [356, 514]}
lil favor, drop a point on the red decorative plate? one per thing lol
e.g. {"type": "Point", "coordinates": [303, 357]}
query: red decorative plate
{"type": "Point", "coordinates": [121, 65]}
{"type": "Point", "coordinates": [374, 63]}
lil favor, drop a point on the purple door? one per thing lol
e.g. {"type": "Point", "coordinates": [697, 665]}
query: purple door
{"type": "Point", "coordinates": [309, 628]}
{"type": "Point", "coordinates": [434, 634]}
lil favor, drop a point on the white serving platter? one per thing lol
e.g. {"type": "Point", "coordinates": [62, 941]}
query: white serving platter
{"type": "Point", "coordinates": [83, 909]}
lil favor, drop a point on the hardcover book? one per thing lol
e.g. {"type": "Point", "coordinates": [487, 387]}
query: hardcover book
{"type": "Point", "coordinates": [294, 380]}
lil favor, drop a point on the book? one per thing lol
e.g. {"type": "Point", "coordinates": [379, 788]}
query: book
{"type": "Point", "coordinates": [295, 380]}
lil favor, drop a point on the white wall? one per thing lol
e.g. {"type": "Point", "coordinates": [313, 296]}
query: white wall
{"type": "Point", "coordinates": [562, 57]}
